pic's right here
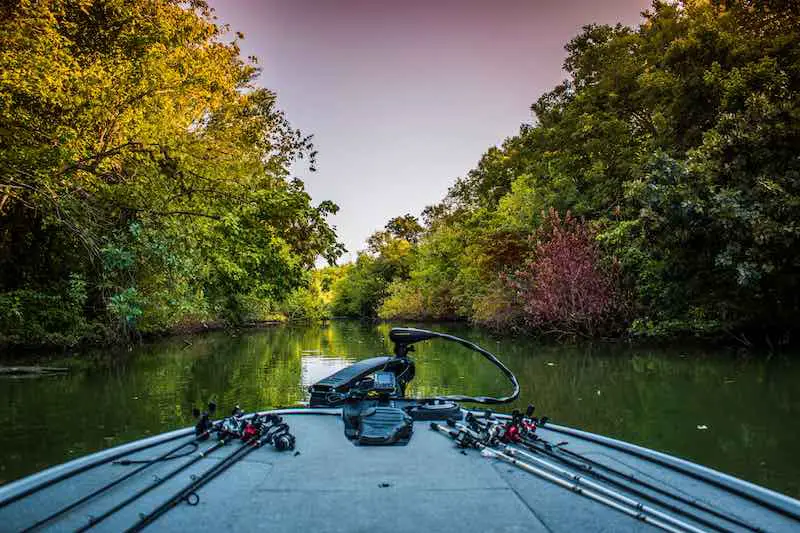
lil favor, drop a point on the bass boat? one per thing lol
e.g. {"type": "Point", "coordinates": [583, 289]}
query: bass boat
{"type": "Point", "coordinates": [362, 456]}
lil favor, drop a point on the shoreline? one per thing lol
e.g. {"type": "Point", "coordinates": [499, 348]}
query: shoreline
{"type": "Point", "coordinates": [716, 340]}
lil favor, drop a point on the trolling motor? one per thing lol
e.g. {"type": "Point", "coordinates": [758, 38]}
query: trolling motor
{"type": "Point", "coordinates": [372, 392]}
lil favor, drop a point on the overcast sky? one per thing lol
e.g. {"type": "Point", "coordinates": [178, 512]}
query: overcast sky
{"type": "Point", "coordinates": [404, 96]}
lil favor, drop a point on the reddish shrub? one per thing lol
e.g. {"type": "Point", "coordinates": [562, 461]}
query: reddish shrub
{"type": "Point", "coordinates": [562, 285]}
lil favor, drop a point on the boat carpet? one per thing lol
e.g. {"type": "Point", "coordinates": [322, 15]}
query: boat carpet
{"type": "Point", "coordinates": [328, 484]}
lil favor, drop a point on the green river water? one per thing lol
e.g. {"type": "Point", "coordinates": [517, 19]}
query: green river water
{"type": "Point", "coordinates": [739, 414]}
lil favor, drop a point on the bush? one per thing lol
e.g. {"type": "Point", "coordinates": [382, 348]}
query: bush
{"type": "Point", "coordinates": [562, 285]}
{"type": "Point", "coordinates": [498, 308]}
{"type": "Point", "coordinates": [29, 316]}
{"type": "Point", "coordinates": [404, 302]}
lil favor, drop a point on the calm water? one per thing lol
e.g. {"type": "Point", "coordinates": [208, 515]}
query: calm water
{"type": "Point", "coordinates": [654, 397]}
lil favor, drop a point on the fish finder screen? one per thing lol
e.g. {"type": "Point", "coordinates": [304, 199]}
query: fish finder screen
{"type": "Point", "coordinates": [385, 381]}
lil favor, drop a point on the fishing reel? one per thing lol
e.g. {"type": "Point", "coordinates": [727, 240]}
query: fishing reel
{"type": "Point", "coordinates": [258, 429]}
{"type": "Point", "coordinates": [204, 425]}
{"type": "Point", "coordinates": [276, 432]}
{"type": "Point", "coordinates": [256, 425]}
{"type": "Point", "coordinates": [284, 440]}
{"type": "Point", "coordinates": [494, 431]}
{"type": "Point", "coordinates": [464, 436]}
{"type": "Point", "coordinates": [233, 425]}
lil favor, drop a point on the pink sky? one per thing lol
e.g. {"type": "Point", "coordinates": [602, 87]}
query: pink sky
{"type": "Point", "coordinates": [403, 97]}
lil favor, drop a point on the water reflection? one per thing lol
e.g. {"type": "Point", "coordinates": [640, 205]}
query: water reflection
{"type": "Point", "coordinates": [317, 367]}
{"type": "Point", "coordinates": [659, 398]}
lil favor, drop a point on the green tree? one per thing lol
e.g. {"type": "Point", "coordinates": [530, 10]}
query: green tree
{"type": "Point", "coordinates": [136, 153]}
{"type": "Point", "coordinates": [677, 142]}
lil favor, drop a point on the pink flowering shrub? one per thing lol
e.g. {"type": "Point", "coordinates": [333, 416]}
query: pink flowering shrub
{"type": "Point", "coordinates": [562, 285]}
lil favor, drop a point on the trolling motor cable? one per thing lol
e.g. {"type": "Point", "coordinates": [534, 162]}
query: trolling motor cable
{"type": "Point", "coordinates": [405, 337]}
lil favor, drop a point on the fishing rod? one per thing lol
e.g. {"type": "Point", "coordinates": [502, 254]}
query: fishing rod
{"type": "Point", "coordinates": [128, 450]}
{"type": "Point", "coordinates": [202, 431]}
{"type": "Point", "coordinates": [94, 464]}
{"type": "Point", "coordinates": [132, 448]}
{"type": "Point", "coordinates": [227, 433]}
{"type": "Point", "coordinates": [580, 462]}
{"type": "Point", "coordinates": [591, 467]}
{"type": "Point", "coordinates": [278, 435]}
{"type": "Point", "coordinates": [107, 487]}
{"type": "Point", "coordinates": [159, 480]}
{"type": "Point", "coordinates": [759, 495]}
{"type": "Point", "coordinates": [580, 480]}
{"type": "Point", "coordinates": [465, 437]}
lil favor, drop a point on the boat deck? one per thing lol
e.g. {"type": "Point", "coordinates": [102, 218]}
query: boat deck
{"type": "Point", "coordinates": [329, 484]}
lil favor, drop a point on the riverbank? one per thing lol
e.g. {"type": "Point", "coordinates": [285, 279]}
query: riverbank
{"type": "Point", "coordinates": [183, 329]}
{"type": "Point", "coordinates": [186, 331]}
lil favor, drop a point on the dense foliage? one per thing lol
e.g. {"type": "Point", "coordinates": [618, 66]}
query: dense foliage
{"type": "Point", "coordinates": [364, 284]}
{"type": "Point", "coordinates": [144, 180]}
{"type": "Point", "coordinates": [562, 284]}
{"type": "Point", "coordinates": [677, 144]}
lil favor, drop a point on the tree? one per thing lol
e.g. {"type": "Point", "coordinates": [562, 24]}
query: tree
{"type": "Point", "coordinates": [137, 155]}
{"type": "Point", "coordinates": [676, 142]}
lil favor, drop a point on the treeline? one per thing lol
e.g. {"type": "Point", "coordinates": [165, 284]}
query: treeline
{"type": "Point", "coordinates": [657, 192]}
{"type": "Point", "coordinates": [144, 180]}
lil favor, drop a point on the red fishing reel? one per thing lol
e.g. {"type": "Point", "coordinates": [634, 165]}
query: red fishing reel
{"type": "Point", "coordinates": [520, 426]}
{"type": "Point", "coordinates": [250, 430]}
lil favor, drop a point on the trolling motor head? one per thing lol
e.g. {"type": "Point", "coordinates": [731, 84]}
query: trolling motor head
{"type": "Point", "coordinates": [404, 338]}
